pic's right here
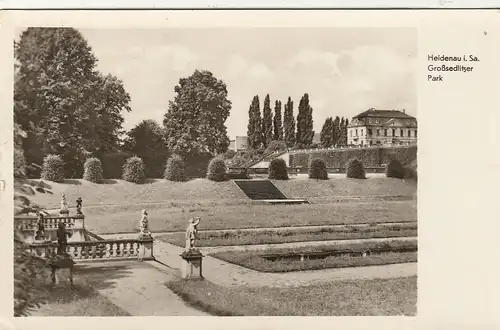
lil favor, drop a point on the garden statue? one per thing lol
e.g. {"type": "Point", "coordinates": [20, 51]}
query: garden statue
{"type": "Point", "coordinates": [192, 233]}
{"type": "Point", "coordinates": [62, 238]}
{"type": "Point", "coordinates": [79, 206]}
{"type": "Point", "coordinates": [64, 205]}
{"type": "Point", "coordinates": [144, 226]}
{"type": "Point", "coordinates": [40, 228]}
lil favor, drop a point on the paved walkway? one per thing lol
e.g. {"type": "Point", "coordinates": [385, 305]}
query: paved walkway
{"type": "Point", "coordinates": [227, 274]}
{"type": "Point", "coordinates": [136, 287]}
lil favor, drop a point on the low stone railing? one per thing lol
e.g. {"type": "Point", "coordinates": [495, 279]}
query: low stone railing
{"type": "Point", "coordinates": [50, 222]}
{"type": "Point", "coordinates": [123, 249]}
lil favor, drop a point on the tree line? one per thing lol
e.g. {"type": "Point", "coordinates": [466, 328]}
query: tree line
{"type": "Point", "coordinates": [264, 128]}
{"type": "Point", "coordinates": [67, 107]}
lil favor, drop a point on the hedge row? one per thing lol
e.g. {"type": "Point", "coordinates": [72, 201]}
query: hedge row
{"type": "Point", "coordinates": [370, 157]}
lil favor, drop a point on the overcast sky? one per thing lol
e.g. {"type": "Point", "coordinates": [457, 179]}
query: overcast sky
{"type": "Point", "coordinates": [345, 71]}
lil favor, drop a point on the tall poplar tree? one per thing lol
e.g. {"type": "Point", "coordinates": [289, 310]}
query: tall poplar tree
{"type": "Point", "coordinates": [254, 129]}
{"type": "Point", "coordinates": [277, 122]}
{"type": "Point", "coordinates": [267, 122]}
{"type": "Point", "coordinates": [289, 124]}
{"type": "Point", "coordinates": [336, 131]}
{"type": "Point", "coordinates": [305, 133]}
{"type": "Point", "coordinates": [326, 137]}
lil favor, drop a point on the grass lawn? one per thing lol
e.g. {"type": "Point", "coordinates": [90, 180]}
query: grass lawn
{"type": "Point", "coordinates": [256, 261]}
{"type": "Point", "coordinates": [338, 298]}
{"type": "Point", "coordinates": [205, 192]}
{"type": "Point", "coordinates": [81, 300]}
{"type": "Point", "coordinates": [289, 236]}
{"type": "Point", "coordinates": [115, 206]}
{"type": "Point", "coordinates": [123, 219]}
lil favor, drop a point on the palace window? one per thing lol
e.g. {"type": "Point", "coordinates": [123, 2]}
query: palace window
{"type": "Point", "coordinates": [393, 132]}
{"type": "Point", "coordinates": [356, 132]}
{"type": "Point", "coordinates": [378, 132]}
{"type": "Point", "coordinates": [369, 132]}
{"type": "Point", "coordinates": [385, 132]}
{"type": "Point", "coordinates": [415, 133]}
{"type": "Point", "coordinates": [401, 133]}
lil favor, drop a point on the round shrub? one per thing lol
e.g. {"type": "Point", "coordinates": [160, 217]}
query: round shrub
{"type": "Point", "coordinates": [175, 170]}
{"type": "Point", "coordinates": [395, 170]}
{"type": "Point", "coordinates": [53, 168]}
{"type": "Point", "coordinates": [317, 170]}
{"type": "Point", "coordinates": [355, 169]}
{"type": "Point", "coordinates": [277, 169]}
{"type": "Point", "coordinates": [93, 170]}
{"type": "Point", "coordinates": [133, 170]}
{"type": "Point", "coordinates": [217, 170]}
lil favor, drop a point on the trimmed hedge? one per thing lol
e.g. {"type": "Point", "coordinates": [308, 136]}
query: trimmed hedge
{"type": "Point", "coordinates": [395, 170]}
{"type": "Point", "coordinates": [93, 170]}
{"type": "Point", "coordinates": [355, 169]}
{"type": "Point", "coordinates": [53, 168]}
{"type": "Point", "coordinates": [133, 170]}
{"type": "Point", "coordinates": [371, 157]}
{"type": "Point", "coordinates": [317, 169]}
{"type": "Point", "coordinates": [278, 170]}
{"type": "Point", "coordinates": [217, 170]}
{"type": "Point", "coordinates": [175, 170]}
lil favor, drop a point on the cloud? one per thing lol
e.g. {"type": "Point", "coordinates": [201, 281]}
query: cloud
{"type": "Point", "coordinates": [238, 66]}
{"type": "Point", "coordinates": [351, 81]}
{"type": "Point", "coordinates": [312, 57]}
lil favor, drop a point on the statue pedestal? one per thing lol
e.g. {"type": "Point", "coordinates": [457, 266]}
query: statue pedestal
{"type": "Point", "coordinates": [191, 264]}
{"type": "Point", "coordinates": [59, 262]}
{"type": "Point", "coordinates": [64, 212]}
{"type": "Point", "coordinates": [146, 247]}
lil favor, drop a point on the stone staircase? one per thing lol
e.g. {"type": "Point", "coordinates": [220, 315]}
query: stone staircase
{"type": "Point", "coordinates": [265, 190]}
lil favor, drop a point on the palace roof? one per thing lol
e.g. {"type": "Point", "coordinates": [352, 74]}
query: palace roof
{"type": "Point", "coordinates": [384, 114]}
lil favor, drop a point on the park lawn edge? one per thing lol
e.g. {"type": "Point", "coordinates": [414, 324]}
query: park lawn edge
{"type": "Point", "coordinates": [177, 239]}
{"type": "Point", "coordinates": [198, 294]}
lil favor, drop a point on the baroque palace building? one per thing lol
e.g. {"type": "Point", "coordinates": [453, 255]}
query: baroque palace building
{"type": "Point", "coordinates": [382, 127]}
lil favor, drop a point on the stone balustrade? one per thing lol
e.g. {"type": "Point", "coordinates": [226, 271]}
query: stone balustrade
{"type": "Point", "coordinates": [123, 249]}
{"type": "Point", "coordinates": [50, 223]}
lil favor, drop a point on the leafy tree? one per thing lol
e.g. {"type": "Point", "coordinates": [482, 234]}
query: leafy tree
{"type": "Point", "coordinates": [28, 269]}
{"type": "Point", "coordinates": [289, 124]}
{"type": "Point", "coordinates": [254, 132]}
{"type": "Point", "coordinates": [62, 102]}
{"type": "Point", "coordinates": [195, 121]}
{"type": "Point", "coordinates": [267, 122]}
{"type": "Point", "coordinates": [305, 133]}
{"type": "Point", "coordinates": [326, 137]}
{"type": "Point", "coordinates": [146, 141]}
{"type": "Point", "coordinates": [275, 146]}
{"type": "Point", "coordinates": [278, 122]}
